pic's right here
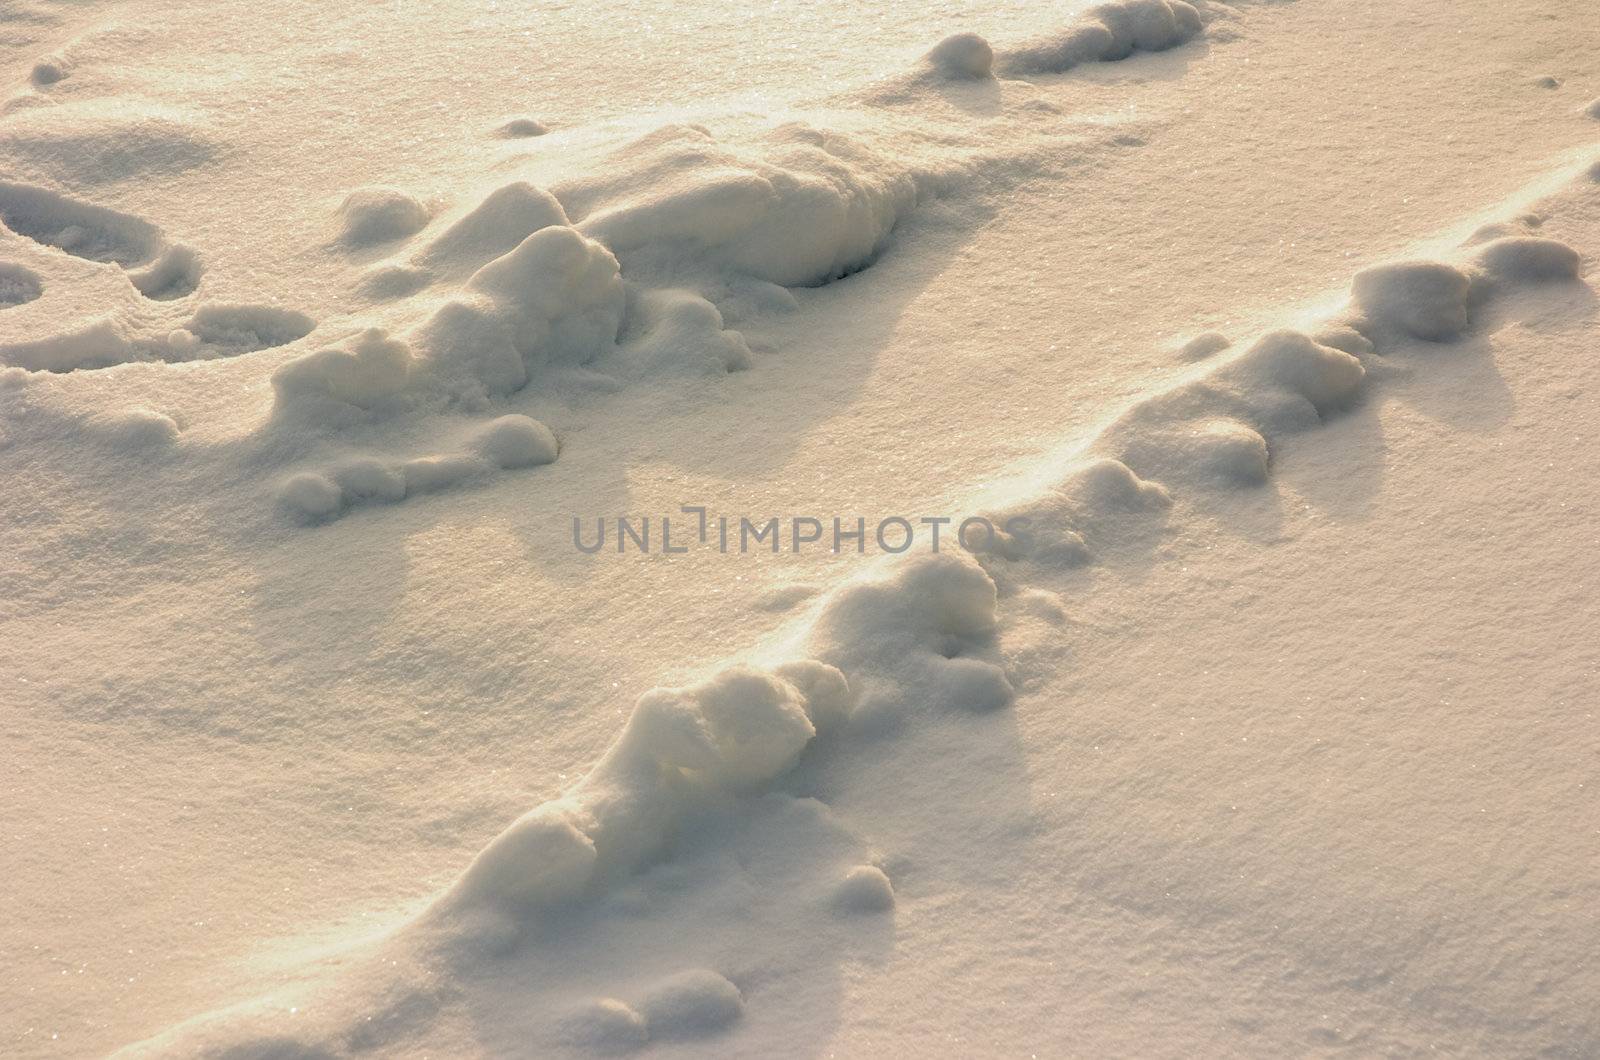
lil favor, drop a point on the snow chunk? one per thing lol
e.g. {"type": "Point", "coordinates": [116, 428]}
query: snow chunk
{"type": "Point", "coordinates": [606, 1025]}
{"type": "Point", "coordinates": [379, 215]}
{"type": "Point", "coordinates": [369, 370]}
{"type": "Point", "coordinates": [311, 496]}
{"type": "Point", "coordinates": [1529, 259]}
{"type": "Point", "coordinates": [1109, 32]}
{"type": "Point", "coordinates": [864, 889]}
{"type": "Point", "coordinates": [470, 341]}
{"type": "Point", "coordinates": [735, 731]}
{"type": "Point", "coordinates": [1294, 362]}
{"type": "Point", "coordinates": [1202, 346]}
{"type": "Point", "coordinates": [394, 281]}
{"type": "Point", "coordinates": [800, 207]}
{"type": "Point", "coordinates": [556, 298]}
{"type": "Point", "coordinates": [823, 690]}
{"type": "Point", "coordinates": [743, 726]}
{"type": "Point", "coordinates": [1107, 484]}
{"type": "Point", "coordinates": [691, 1004]}
{"type": "Point", "coordinates": [544, 857]}
{"type": "Point", "coordinates": [47, 72]}
{"type": "Point", "coordinates": [136, 428]}
{"type": "Point", "coordinates": [561, 293]}
{"type": "Point", "coordinates": [520, 129]}
{"type": "Point", "coordinates": [682, 331]}
{"type": "Point", "coordinates": [516, 441]}
{"type": "Point", "coordinates": [428, 474]}
{"type": "Point", "coordinates": [1422, 299]}
{"type": "Point", "coordinates": [367, 479]}
{"type": "Point", "coordinates": [1228, 451]}
{"type": "Point", "coordinates": [933, 606]}
{"type": "Point", "coordinates": [962, 55]}
{"type": "Point", "coordinates": [504, 218]}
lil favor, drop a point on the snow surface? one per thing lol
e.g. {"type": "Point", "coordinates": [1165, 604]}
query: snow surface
{"type": "Point", "coordinates": [1261, 720]}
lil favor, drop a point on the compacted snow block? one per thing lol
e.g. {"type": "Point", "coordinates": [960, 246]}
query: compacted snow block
{"type": "Point", "coordinates": [1421, 299]}
{"type": "Point", "coordinates": [379, 215]}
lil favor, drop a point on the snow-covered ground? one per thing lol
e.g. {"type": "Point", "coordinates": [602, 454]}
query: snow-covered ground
{"type": "Point", "coordinates": [1254, 714]}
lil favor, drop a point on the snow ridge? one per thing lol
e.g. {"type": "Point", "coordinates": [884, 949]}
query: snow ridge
{"type": "Point", "coordinates": [915, 640]}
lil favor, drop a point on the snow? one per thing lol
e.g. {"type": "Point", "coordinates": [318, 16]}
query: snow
{"type": "Point", "coordinates": [1177, 637]}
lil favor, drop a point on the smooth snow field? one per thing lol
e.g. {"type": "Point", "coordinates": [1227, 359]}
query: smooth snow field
{"type": "Point", "coordinates": [983, 528]}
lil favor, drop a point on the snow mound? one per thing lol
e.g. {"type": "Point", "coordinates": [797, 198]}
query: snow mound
{"type": "Point", "coordinates": [49, 71]}
{"type": "Point", "coordinates": [606, 1025]}
{"type": "Point", "coordinates": [368, 371]}
{"type": "Point", "coordinates": [133, 429]}
{"type": "Point", "coordinates": [520, 129]}
{"type": "Point", "coordinates": [1107, 33]}
{"type": "Point", "coordinates": [386, 282]}
{"type": "Point", "coordinates": [1529, 259]}
{"type": "Point", "coordinates": [516, 441]}
{"type": "Point", "coordinates": [737, 730]}
{"type": "Point", "coordinates": [864, 889]}
{"type": "Point", "coordinates": [83, 142]}
{"type": "Point", "coordinates": [962, 55]}
{"type": "Point", "coordinates": [692, 1004]}
{"type": "Point", "coordinates": [1421, 299]}
{"type": "Point", "coordinates": [556, 298]}
{"type": "Point", "coordinates": [503, 219]}
{"type": "Point", "coordinates": [379, 215]}
{"type": "Point", "coordinates": [508, 443]}
{"type": "Point", "coordinates": [679, 330]}
{"type": "Point", "coordinates": [798, 207]}
{"type": "Point", "coordinates": [1202, 346]}
{"type": "Point", "coordinates": [1294, 363]}
{"type": "Point", "coordinates": [1214, 452]}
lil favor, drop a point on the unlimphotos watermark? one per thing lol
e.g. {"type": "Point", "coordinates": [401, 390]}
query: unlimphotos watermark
{"type": "Point", "coordinates": [696, 528]}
